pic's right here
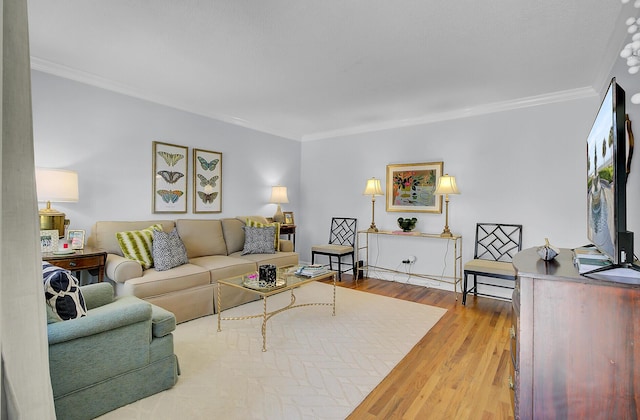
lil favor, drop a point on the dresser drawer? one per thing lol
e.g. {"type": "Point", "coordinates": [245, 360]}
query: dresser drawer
{"type": "Point", "coordinates": [79, 263]}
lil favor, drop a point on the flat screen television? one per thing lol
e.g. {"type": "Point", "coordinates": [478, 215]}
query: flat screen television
{"type": "Point", "coordinates": [607, 180]}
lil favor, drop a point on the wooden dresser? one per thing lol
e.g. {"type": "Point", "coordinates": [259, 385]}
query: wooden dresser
{"type": "Point", "coordinates": [575, 343]}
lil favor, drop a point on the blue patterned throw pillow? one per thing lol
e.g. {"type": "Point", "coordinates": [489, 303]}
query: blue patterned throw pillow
{"type": "Point", "coordinates": [259, 240]}
{"type": "Point", "coordinates": [62, 292]}
{"type": "Point", "coordinates": [168, 250]}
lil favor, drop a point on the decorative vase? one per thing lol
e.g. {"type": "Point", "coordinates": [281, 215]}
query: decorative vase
{"type": "Point", "coordinates": [267, 274]}
{"type": "Point", "coordinates": [407, 225]}
{"type": "Point", "coordinates": [547, 252]}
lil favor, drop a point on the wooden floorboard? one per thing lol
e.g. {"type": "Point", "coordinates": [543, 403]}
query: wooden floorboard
{"type": "Point", "coordinates": [458, 370]}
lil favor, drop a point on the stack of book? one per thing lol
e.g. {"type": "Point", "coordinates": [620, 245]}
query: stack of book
{"type": "Point", "coordinates": [312, 270]}
{"type": "Point", "coordinates": [589, 259]}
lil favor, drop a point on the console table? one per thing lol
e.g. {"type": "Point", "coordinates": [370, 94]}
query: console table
{"type": "Point", "coordinates": [574, 342]}
{"type": "Point", "coordinates": [456, 257]}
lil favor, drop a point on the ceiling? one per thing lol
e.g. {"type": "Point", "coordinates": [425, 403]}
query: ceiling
{"type": "Point", "coordinates": [309, 69]}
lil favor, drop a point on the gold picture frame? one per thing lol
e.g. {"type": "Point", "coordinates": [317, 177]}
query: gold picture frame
{"type": "Point", "coordinates": [207, 181]}
{"type": "Point", "coordinates": [170, 164]}
{"type": "Point", "coordinates": [288, 218]}
{"type": "Point", "coordinates": [76, 238]}
{"type": "Point", "coordinates": [411, 187]}
{"type": "Point", "coordinates": [49, 240]}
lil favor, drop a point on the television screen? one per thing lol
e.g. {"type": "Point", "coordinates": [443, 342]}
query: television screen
{"type": "Point", "coordinates": [606, 175]}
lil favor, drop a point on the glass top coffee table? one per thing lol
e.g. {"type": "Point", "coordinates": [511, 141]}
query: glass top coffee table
{"type": "Point", "coordinates": [286, 279]}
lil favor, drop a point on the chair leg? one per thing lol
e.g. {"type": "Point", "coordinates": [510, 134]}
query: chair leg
{"type": "Point", "coordinates": [475, 285]}
{"type": "Point", "coordinates": [464, 290]}
{"type": "Point", "coordinates": [354, 268]}
{"type": "Point", "coordinates": [339, 268]}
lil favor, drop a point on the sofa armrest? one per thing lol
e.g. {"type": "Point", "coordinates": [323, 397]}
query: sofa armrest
{"type": "Point", "coordinates": [97, 294]}
{"type": "Point", "coordinates": [121, 312]}
{"type": "Point", "coordinates": [286, 245]}
{"type": "Point", "coordinates": [121, 269]}
{"type": "Point", "coordinates": [163, 322]}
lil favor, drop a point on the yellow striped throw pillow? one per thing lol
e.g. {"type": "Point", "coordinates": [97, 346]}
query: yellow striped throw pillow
{"type": "Point", "coordinates": [253, 223]}
{"type": "Point", "coordinates": [137, 245]}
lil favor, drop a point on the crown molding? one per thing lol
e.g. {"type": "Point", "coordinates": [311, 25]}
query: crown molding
{"type": "Point", "coordinates": [561, 96]}
{"type": "Point", "coordinates": [97, 81]}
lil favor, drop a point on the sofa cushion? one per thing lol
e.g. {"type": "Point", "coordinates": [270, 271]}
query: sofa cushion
{"type": "Point", "coordinates": [137, 245]}
{"type": "Point", "coordinates": [276, 242]}
{"type": "Point", "coordinates": [202, 237]}
{"type": "Point", "coordinates": [259, 240]}
{"type": "Point", "coordinates": [62, 293]}
{"type": "Point", "coordinates": [168, 250]}
{"type": "Point", "coordinates": [279, 259]}
{"type": "Point", "coordinates": [233, 234]}
{"type": "Point", "coordinates": [156, 283]}
{"type": "Point", "coordinates": [222, 266]}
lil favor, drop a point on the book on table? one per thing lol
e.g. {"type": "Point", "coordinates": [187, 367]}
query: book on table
{"type": "Point", "coordinates": [312, 270]}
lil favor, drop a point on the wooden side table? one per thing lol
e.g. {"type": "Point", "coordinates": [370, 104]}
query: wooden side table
{"type": "Point", "coordinates": [289, 230]}
{"type": "Point", "coordinates": [82, 259]}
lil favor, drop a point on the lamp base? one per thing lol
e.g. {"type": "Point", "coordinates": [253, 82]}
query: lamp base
{"type": "Point", "coordinates": [372, 229]}
{"type": "Point", "coordinates": [278, 217]}
{"type": "Point", "coordinates": [51, 219]}
{"type": "Point", "coordinates": [446, 233]}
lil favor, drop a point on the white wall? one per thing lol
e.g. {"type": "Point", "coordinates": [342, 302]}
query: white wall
{"type": "Point", "coordinates": [107, 137]}
{"type": "Point", "coordinates": [523, 166]}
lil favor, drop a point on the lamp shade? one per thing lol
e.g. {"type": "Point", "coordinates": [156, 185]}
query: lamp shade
{"type": "Point", "coordinates": [447, 185]}
{"type": "Point", "coordinates": [279, 195]}
{"type": "Point", "coordinates": [373, 187]}
{"type": "Point", "coordinates": [57, 185]}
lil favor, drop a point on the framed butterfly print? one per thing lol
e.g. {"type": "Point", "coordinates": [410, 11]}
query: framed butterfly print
{"type": "Point", "coordinates": [207, 181]}
{"type": "Point", "coordinates": [169, 178]}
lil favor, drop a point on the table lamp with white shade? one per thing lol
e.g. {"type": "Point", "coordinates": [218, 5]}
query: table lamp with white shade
{"type": "Point", "coordinates": [373, 188]}
{"type": "Point", "coordinates": [446, 185]}
{"type": "Point", "coordinates": [59, 186]}
{"type": "Point", "coordinates": [278, 196]}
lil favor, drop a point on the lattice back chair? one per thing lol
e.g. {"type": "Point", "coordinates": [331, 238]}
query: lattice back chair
{"type": "Point", "coordinates": [496, 244]}
{"type": "Point", "coordinates": [342, 242]}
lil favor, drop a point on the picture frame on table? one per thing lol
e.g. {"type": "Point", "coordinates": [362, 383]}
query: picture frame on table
{"type": "Point", "coordinates": [170, 165]}
{"type": "Point", "coordinates": [76, 238]}
{"type": "Point", "coordinates": [288, 218]}
{"type": "Point", "coordinates": [49, 240]}
{"type": "Point", "coordinates": [411, 187]}
{"type": "Point", "coordinates": [207, 181]}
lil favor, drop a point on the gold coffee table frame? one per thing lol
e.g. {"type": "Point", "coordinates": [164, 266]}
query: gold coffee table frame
{"type": "Point", "coordinates": [292, 282]}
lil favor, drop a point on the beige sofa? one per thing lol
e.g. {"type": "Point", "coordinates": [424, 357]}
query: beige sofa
{"type": "Point", "coordinates": [214, 248]}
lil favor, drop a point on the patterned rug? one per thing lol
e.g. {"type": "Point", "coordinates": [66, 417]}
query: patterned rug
{"type": "Point", "coordinates": [316, 366]}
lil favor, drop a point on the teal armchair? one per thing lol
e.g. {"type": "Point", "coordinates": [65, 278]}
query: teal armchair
{"type": "Point", "coordinates": [120, 352]}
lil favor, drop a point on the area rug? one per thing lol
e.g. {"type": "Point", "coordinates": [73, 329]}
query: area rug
{"type": "Point", "coordinates": [316, 366]}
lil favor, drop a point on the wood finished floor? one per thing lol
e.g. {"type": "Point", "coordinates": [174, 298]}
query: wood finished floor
{"type": "Point", "coordinates": [458, 370]}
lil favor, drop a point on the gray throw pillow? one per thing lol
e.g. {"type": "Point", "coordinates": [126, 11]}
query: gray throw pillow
{"type": "Point", "coordinates": [168, 250]}
{"type": "Point", "coordinates": [259, 240]}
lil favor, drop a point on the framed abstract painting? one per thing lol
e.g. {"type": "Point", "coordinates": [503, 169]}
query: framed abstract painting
{"type": "Point", "coordinates": [411, 187]}
{"type": "Point", "coordinates": [169, 178]}
{"type": "Point", "coordinates": [207, 181]}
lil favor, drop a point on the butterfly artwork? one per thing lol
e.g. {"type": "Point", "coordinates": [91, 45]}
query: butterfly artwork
{"type": "Point", "coordinates": [208, 181]}
{"type": "Point", "coordinates": [171, 158]}
{"type": "Point", "coordinates": [208, 165]}
{"type": "Point", "coordinates": [170, 196]}
{"type": "Point", "coordinates": [207, 198]}
{"type": "Point", "coordinates": [170, 176]}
